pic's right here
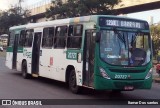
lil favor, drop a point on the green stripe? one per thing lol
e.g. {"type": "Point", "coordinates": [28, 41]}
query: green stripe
{"type": "Point", "coordinates": [10, 49]}
{"type": "Point", "coordinates": [20, 49]}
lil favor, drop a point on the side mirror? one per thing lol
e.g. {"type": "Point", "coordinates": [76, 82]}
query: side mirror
{"type": "Point", "coordinates": [98, 37]}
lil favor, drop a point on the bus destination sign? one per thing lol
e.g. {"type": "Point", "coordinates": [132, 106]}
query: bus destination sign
{"type": "Point", "coordinates": [115, 22]}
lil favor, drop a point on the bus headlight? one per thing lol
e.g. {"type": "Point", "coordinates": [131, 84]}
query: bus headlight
{"type": "Point", "coordinates": [103, 73]}
{"type": "Point", "coordinates": [149, 74]}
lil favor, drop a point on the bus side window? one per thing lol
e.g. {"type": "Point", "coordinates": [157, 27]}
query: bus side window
{"type": "Point", "coordinates": [60, 37]}
{"type": "Point", "coordinates": [28, 38]}
{"type": "Point", "coordinates": [74, 39]}
{"type": "Point", "coordinates": [22, 38]}
{"type": "Point", "coordinates": [48, 35]}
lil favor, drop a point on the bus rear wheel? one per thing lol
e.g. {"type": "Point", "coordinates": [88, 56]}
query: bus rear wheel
{"type": "Point", "coordinates": [25, 75]}
{"type": "Point", "coordinates": [73, 83]}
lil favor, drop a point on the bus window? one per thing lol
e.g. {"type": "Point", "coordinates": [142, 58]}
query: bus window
{"type": "Point", "coordinates": [28, 38]}
{"type": "Point", "coordinates": [74, 39]}
{"type": "Point", "coordinates": [22, 38]}
{"type": "Point", "coordinates": [142, 41]}
{"type": "Point", "coordinates": [48, 34]}
{"type": "Point", "coordinates": [60, 37]}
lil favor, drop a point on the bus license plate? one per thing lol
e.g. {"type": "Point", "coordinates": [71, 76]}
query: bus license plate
{"type": "Point", "coordinates": [128, 88]}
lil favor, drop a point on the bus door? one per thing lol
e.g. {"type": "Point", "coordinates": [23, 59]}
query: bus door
{"type": "Point", "coordinates": [36, 53]}
{"type": "Point", "coordinates": [88, 64]}
{"type": "Point", "coordinates": [15, 49]}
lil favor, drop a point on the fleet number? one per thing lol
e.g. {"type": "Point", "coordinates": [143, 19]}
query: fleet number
{"type": "Point", "coordinates": [120, 76]}
{"type": "Point", "coordinates": [72, 55]}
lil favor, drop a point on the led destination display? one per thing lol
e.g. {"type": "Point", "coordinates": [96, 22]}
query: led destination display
{"type": "Point", "coordinates": [115, 22]}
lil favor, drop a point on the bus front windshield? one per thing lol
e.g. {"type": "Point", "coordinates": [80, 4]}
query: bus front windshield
{"type": "Point", "coordinates": [125, 48]}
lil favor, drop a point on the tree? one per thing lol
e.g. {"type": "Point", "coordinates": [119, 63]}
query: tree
{"type": "Point", "coordinates": [74, 8]}
{"type": "Point", "coordinates": [155, 33]}
{"type": "Point", "coordinates": [12, 17]}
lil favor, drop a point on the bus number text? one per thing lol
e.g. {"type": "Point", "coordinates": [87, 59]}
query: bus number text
{"type": "Point", "coordinates": [120, 76]}
{"type": "Point", "coordinates": [72, 55]}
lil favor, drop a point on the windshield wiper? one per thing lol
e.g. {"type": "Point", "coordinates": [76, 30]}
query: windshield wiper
{"type": "Point", "coordinates": [120, 36]}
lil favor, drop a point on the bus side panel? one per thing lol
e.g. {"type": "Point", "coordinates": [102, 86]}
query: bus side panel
{"type": "Point", "coordinates": [46, 63]}
{"type": "Point", "coordinates": [19, 58]}
{"type": "Point", "coordinates": [71, 59]}
{"type": "Point", "coordinates": [78, 70]}
{"type": "Point", "coordinates": [59, 64]}
{"type": "Point", "coordinates": [19, 61]}
{"type": "Point", "coordinates": [27, 55]}
{"type": "Point", "coordinates": [53, 65]}
{"type": "Point", "coordinates": [9, 56]}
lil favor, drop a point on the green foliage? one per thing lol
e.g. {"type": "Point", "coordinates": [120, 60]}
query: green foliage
{"type": "Point", "coordinates": [155, 33]}
{"type": "Point", "coordinates": [12, 17]}
{"type": "Point", "coordinates": [74, 8]}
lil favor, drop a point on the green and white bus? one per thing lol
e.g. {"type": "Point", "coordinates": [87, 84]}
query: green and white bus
{"type": "Point", "coordinates": [98, 51]}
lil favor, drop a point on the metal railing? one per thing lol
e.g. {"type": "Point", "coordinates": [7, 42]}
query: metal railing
{"type": "Point", "coordinates": [40, 7]}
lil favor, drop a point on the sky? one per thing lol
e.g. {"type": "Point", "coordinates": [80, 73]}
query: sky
{"type": "Point", "coordinates": [5, 4]}
{"type": "Point", "coordinates": [146, 14]}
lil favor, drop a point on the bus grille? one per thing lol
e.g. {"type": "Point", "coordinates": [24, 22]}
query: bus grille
{"type": "Point", "coordinates": [126, 71]}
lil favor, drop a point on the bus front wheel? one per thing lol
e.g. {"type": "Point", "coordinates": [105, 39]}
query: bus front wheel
{"type": "Point", "coordinates": [73, 83]}
{"type": "Point", "coordinates": [25, 75]}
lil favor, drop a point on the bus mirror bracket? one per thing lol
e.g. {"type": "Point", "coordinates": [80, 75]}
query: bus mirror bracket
{"type": "Point", "coordinates": [98, 37]}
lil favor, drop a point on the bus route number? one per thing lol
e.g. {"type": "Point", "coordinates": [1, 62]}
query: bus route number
{"type": "Point", "coordinates": [72, 55]}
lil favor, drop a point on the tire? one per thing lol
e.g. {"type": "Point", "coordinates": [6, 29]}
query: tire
{"type": "Point", "coordinates": [25, 75]}
{"type": "Point", "coordinates": [73, 83]}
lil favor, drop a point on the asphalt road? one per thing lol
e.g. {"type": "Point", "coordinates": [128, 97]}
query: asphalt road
{"type": "Point", "coordinates": [13, 86]}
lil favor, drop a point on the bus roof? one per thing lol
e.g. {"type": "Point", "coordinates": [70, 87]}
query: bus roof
{"type": "Point", "coordinates": [68, 21]}
{"type": "Point", "coordinates": [17, 27]}
{"type": "Point", "coordinates": [48, 23]}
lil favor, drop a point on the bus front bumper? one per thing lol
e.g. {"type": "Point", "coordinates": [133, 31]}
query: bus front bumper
{"type": "Point", "coordinates": [110, 84]}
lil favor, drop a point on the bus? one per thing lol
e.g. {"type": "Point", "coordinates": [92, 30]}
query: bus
{"type": "Point", "coordinates": [101, 52]}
